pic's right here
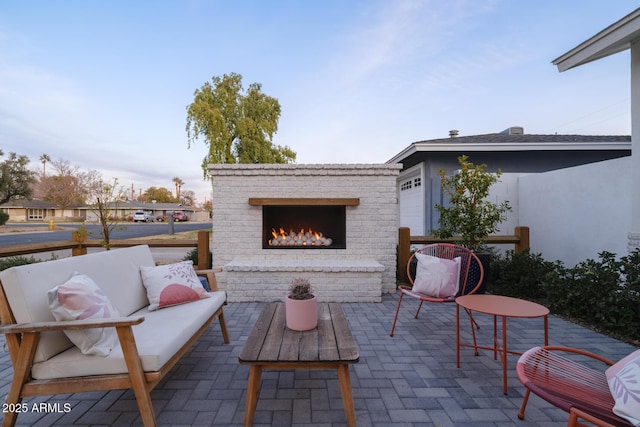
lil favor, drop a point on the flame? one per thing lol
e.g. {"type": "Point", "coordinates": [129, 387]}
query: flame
{"type": "Point", "coordinates": [303, 237]}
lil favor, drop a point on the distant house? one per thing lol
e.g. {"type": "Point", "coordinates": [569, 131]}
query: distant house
{"type": "Point", "coordinates": [40, 210]}
{"type": "Point", "coordinates": [512, 151]}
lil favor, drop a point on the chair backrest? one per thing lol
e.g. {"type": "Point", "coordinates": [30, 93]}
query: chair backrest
{"type": "Point", "coordinates": [471, 270]}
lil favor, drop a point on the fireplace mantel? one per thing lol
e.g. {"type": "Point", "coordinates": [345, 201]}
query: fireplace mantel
{"type": "Point", "coordinates": [303, 201]}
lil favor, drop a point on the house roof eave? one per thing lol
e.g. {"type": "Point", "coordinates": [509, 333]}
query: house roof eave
{"type": "Point", "coordinates": [617, 37]}
{"type": "Point", "coordinates": [502, 143]}
{"type": "Point", "coordinates": [523, 146]}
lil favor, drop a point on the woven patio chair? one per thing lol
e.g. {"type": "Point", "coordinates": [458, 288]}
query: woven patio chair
{"type": "Point", "coordinates": [470, 277]}
{"type": "Point", "coordinates": [569, 379]}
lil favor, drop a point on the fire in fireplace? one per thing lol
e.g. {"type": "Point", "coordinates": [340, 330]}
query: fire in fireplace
{"type": "Point", "coordinates": [303, 227]}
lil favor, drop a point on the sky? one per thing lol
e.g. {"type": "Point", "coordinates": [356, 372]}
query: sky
{"type": "Point", "coordinates": [105, 85]}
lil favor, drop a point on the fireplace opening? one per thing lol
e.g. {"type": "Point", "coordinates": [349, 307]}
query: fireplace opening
{"type": "Point", "coordinates": [304, 227]}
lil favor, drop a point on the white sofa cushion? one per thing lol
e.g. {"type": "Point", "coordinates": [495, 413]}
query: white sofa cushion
{"type": "Point", "coordinates": [116, 272]}
{"type": "Point", "coordinates": [158, 338]}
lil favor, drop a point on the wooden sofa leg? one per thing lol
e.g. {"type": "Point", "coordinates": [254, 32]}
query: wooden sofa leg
{"type": "Point", "coordinates": [21, 372]}
{"type": "Point", "coordinates": [223, 326]}
{"type": "Point", "coordinates": [136, 376]}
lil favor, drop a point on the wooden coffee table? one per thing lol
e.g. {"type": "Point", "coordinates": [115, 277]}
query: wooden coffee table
{"type": "Point", "coordinates": [271, 345]}
{"type": "Point", "coordinates": [504, 307]}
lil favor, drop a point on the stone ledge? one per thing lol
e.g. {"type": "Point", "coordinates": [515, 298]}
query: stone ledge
{"type": "Point", "coordinates": [356, 169]}
{"type": "Point", "coordinates": [332, 280]}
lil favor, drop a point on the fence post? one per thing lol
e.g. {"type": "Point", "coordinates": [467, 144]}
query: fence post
{"type": "Point", "coordinates": [203, 250]}
{"type": "Point", "coordinates": [79, 237]}
{"type": "Point", "coordinates": [523, 233]}
{"type": "Point", "coordinates": [404, 252]}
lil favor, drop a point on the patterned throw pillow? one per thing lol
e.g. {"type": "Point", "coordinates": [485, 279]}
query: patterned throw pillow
{"type": "Point", "coordinates": [80, 298]}
{"type": "Point", "coordinates": [437, 277]}
{"type": "Point", "coordinates": [172, 284]}
{"type": "Point", "coordinates": [624, 384]}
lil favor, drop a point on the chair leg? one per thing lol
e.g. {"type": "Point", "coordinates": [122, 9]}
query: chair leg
{"type": "Point", "coordinates": [393, 328]}
{"type": "Point", "coordinates": [524, 404]}
{"type": "Point", "coordinates": [419, 307]}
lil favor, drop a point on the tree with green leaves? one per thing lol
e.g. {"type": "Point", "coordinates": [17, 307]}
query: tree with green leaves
{"type": "Point", "coordinates": [44, 159]}
{"type": "Point", "coordinates": [159, 195]}
{"type": "Point", "coordinates": [179, 183]}
{"type": "Point", "coordinates": [237, 125]}
{"type": "Point", "coordinates": [15, 178]}
{"type": "Point", "coordinates": [469, 213]}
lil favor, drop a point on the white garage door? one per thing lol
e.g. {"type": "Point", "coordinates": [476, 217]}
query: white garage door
{"type": "Point", "coordinates": [412, 205]}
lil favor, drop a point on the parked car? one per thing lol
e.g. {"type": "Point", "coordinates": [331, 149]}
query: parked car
{"type": "Point", "coordinates": [143, 216]}
{"type": "Point", "coordinates": [179, 216]}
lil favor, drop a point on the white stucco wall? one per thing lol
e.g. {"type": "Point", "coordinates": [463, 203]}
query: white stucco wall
{"type": "Point", "coordinates": [576, 213]}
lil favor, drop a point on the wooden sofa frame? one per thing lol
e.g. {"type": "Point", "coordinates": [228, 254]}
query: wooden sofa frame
{"type": "Point", "coordinates": [22, 340]}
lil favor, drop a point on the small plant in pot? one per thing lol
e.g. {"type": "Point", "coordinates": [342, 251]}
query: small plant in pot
{"type": "Point", "coordinates": [469, 213]}
{"type": "Point", "coordinates": [301, 306]}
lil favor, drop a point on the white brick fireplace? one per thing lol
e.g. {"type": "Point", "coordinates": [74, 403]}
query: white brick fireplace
{"type": "Point", "coordinates": [356, 204]}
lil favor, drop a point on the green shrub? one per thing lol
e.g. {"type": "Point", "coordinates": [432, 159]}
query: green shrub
{"type": "Point", "coordinates": [520, 275]}
{"type": "Point", "coordinates": [17, 260]}
{"type": "Point", "coordinates": [603, 294]}
{"type": "Point", "coordinates": [4, 217]}
{"type": "Point", "coordinates": [193, 256]}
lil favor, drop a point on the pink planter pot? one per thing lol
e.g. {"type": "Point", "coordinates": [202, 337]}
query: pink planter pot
{"type": "Point", "coordinates": [301, 315]}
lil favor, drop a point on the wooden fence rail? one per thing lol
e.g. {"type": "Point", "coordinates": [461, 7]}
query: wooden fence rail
{"type": "Point", "coordinates": [80, 248]}
{"type": "Point", "coordinates": [520, 240]}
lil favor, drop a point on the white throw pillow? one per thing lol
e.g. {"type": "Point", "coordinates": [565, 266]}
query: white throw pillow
{"type": "Point", "coordinates": [437, 277]}
{"type": "Point", "coordinates": [172, 284]}
{"type": "Point", "coordinates": [624, 379]}
{"type": "Point", "coordinates": [80, 298]}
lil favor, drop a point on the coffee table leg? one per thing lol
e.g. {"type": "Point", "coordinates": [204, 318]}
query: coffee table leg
{"type": "Point", "coordinates": [347, 398]}
{"type": "Point", "coordinates": [253, 391]}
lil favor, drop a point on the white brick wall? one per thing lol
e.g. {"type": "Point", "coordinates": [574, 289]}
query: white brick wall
{"type": "Point", "coordinates": [372, 227]}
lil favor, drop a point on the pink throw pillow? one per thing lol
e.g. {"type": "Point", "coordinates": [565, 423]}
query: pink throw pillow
{"type": "Point", "coordinates": [172, 284]}
{"type": "Point", "coordinates": [437, 277]}
{"type": "Point", "coordinates": [81, 298]}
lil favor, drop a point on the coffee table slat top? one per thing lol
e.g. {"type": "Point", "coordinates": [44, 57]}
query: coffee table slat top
{"type": "Point", "coordinates": [270, 341]}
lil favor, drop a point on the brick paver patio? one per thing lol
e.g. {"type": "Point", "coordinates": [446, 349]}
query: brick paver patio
{"type": "Point", "coordinates": [408, 380]}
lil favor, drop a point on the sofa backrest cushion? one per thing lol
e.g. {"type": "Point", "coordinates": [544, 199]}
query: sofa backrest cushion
{"type": "Point", "coordinates": [116, 272]}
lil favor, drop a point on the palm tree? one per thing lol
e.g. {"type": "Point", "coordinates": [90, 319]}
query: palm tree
{"type": "Point", "coordinates": [179, 183]}
{"type": "Point", "coordinates": [44, 159]}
